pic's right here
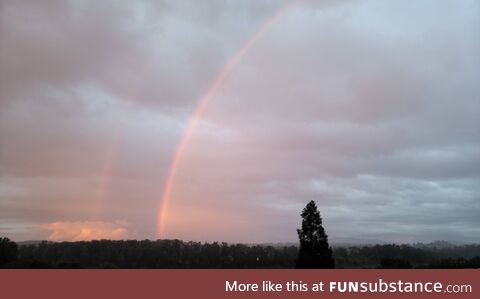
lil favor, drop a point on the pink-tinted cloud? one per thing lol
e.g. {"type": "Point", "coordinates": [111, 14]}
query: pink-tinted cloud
{"type": "Point", "coordinates": [368, 107]}
{"type": "Point", "coordinates": [86, 230]}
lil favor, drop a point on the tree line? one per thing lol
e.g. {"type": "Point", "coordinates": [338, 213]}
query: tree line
{"type": "Point", "coordinates": [180, 254]}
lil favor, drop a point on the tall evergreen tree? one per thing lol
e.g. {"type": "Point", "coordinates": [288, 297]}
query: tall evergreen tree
{"type": "Point", "coordinates": [314, 252]}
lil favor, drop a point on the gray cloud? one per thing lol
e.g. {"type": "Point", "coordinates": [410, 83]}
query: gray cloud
{"type": "Point", "coordinates": [369, 108]}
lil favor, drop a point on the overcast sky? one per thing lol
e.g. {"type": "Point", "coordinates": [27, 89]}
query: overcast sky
{"type": "Point", "coordinates": [370, 108]}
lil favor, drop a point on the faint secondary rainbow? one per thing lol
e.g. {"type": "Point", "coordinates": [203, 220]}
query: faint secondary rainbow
{"type": "Point", "coordinates": [103, 188]}
{"type": "Point", "coordinates": [214, 86]}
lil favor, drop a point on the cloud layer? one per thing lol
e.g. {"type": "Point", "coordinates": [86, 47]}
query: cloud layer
{"type": "Point", "coordinates": [370, 108]}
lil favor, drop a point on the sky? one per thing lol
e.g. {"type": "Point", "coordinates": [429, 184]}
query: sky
{"type": "Point", "coordinates": [370, 108]}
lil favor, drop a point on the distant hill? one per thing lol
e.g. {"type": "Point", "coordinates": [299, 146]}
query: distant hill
{"type": "Point", "coordinates": [31, 242]}
{"type": "Point", "coordinates": [439, 244]}
{"type": "Point", "coordinates": [337, 242]}
{"type": "Point", "coordinates": [341, 242]}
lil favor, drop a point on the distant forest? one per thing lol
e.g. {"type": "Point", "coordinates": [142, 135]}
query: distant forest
{"type": "Point", "coordinates": [180, 254]}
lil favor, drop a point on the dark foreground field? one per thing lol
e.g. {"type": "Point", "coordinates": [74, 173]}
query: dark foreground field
{"type": "Point", "coordinates": [180, 254]}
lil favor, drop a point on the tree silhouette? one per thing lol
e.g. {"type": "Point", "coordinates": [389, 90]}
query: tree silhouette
{"type": "Point", "coordinates": [314, 251]}
{"type": "Point", "coordinates": [180, 254]}
{"type": "Point", "coordinates": [8, 251]}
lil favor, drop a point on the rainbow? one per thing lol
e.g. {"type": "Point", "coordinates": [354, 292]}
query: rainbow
{"type": "Point", "coordinates": [106, 173]}
{"type": "Point", "coordinates": [196, 115]}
